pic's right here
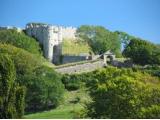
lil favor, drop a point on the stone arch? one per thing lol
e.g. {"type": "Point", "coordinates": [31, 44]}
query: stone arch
{"type": "Point", "coordinates": [108, 57]}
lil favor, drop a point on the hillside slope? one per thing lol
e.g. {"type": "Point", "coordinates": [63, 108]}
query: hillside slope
{"type": "Point", "coordinates": [74, 47]}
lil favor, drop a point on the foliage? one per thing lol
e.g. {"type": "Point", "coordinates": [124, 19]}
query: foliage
{"type": "Point", "coordinates": [42, 83]}
{"type": "Point", "coordinates": [124, 37]}
{"type": "Point", "coordinates": [46, 89]}
{"type": "Point", "coordinates": [99, 39]}
{"type": "Point", "coordinates": [71, 82]}
{"type": "Point", "coordinates": [11, 95]}
{"type": "Point", "coordinates": [122, 93]}
{"type": "Point", "coordinates": [142, 52]}
{"type": "Point", "coordinates": [20, 40]}
{"type": "Point", "coordinates": [24, 61]}
{"type": "Point", "coordinates": [67, 110]}
{"type": "Point", "coordinates": [154, 70]}
{"type": "Point", "coordinates": [20, 101]}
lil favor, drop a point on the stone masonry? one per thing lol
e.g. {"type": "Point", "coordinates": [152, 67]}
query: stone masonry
{"type": "Point", "coordinates": [86, 67]}
{"type": "Point", "coordinates": [50, 37]}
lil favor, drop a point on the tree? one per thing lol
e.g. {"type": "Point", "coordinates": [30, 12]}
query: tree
{"type": "Point", "coordinates": [99, 39]}
{"type": "Point", "coordinates": [42, 83]}
{"type": "Point", "coordinates": [11, 95]}
{"type": "Point", "coordinates": [142, 52]}
{"type": "Point", "coordinates": [124, 37]}
{"type": "Point", "coordinates": [46, 89]}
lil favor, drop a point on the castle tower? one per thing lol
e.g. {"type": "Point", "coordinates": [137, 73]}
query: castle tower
{"type": "Point", "coordinates": [50, 37]}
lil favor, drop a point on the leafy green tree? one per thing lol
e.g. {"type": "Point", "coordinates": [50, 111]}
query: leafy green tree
{"type": "Point", "coordinates": [124, 37]}
{"type": "Point", "coordinates": [142, 52]}
{"type": "Point", "coordinates": [46, 89]}
{"type": "Point", "coordinates": [99, 39]}
{"type": "Point", "coordinates": [122, 93]}
{"type": "Point", "coordinates": [11, 95]}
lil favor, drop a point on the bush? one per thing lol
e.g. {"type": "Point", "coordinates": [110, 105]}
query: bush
{"type": "Point", "coordinates": [11, 95]}
{"type": "Point", "coordinates": [71, 82]}
{"type": "Point", "coordinates": [122, 93]}
{"type": "Point", "coordinates": [20, 40]}
{"type": "Point", "coordinates": [153, 70]}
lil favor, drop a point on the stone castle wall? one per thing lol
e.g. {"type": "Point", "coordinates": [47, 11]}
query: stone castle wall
{"type": "Point", "coordinates": [69, 32]}
{"type": "Point", "coordinates": [51, 38]}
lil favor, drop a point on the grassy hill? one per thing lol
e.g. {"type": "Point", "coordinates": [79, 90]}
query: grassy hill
{"type": "Point", "coordinates": [74, 47]}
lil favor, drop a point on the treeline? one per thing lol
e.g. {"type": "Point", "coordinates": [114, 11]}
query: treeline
{"type": "Point", "coordinates": [100, 40]}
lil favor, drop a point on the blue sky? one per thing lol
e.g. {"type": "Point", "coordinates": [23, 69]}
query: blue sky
{"type": "Point", "coordinates": [140, 18]}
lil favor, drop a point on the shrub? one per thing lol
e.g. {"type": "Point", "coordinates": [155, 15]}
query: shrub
{"type": "Point", "coordinates": [122, 93]}
{"type": "Point", "coordinates": [71, 82]}
{"type": "Point", "coordinates": [153, 70]}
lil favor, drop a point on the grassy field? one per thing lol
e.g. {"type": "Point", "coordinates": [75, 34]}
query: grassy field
{"type": "Point", "coordinates": [68, 110]}
{"type": "Point", "coordinates": [74, 47]}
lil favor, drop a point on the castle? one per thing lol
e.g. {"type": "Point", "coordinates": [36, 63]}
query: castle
{"type": "Point", "coordinates": [50, 37]}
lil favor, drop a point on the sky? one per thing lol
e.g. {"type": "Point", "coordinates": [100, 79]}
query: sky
{"type": "Point", "coordinates": [140, 18]}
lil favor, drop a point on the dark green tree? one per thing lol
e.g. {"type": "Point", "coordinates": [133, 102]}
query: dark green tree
{"type": "Point", "coordinates": [46, 89]}
{"type": "Point", "coordinates": [11, 105]}
{"type": "Point", "coordinates": [142, 52]}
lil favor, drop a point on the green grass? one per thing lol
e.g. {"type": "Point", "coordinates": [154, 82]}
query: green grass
{"type": "Point", "coordinates": [68, 110]}
{"type": "Point", "coordinates": [62, 112]}
{"type": "Point", "coordinates": [74, 47]}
